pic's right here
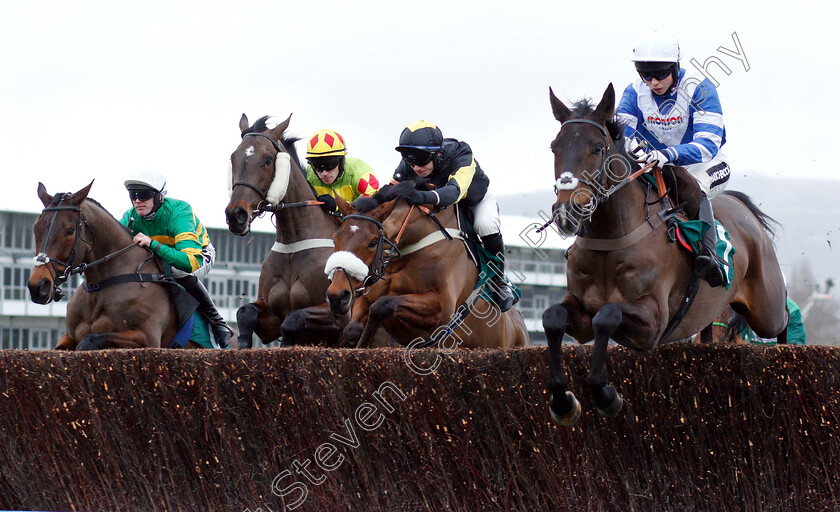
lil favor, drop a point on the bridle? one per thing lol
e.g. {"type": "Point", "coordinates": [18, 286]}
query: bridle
{"type": "Point", "coordinates": [567, 181]}
{"type": "Point", "coordinates": [60, 277]}
{"type": "Point", "coordinates": [263, 206]}
{"type": "Point", "coordinates": [385, 249]}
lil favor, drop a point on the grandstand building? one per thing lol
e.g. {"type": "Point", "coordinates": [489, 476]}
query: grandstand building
{"type": "Point", "coordinates": [536, 264]}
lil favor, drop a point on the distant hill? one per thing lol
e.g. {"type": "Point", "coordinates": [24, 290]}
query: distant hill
{"type": "Point", "coordinates": [808, 210]}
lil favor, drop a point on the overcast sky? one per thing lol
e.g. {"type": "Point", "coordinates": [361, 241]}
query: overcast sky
{"type": "Point", "coordinates": [94, 90]}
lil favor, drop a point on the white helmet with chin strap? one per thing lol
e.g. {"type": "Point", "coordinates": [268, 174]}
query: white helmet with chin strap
{"type": "Point", "coordinates": [146, 179]}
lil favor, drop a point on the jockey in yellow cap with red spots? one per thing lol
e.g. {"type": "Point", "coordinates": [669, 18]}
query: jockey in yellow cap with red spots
{"type": "Point", "coordinates": [331, 173]}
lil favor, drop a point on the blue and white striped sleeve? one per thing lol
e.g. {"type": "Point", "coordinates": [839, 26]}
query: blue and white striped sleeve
{"type": "Point", "coordinates": [708, 130]}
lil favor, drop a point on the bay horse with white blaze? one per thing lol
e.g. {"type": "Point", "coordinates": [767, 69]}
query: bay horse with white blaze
{"type": "Point", "coordinates": [266, 176]}
{"type": "Point", "coordinates": [398, 268]}
{"type": "Point", "coordinates": [626, 280]}
{"type": "Point", "coordinates": [76, 234]}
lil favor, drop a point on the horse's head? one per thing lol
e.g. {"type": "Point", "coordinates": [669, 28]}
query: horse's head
{"type": "Point", "coordinates": [362, 251]}
{"type": "Point", "coordinates": [261, 168]}
{"type": "Point", "coordinates": [586, 164]}
{"type": "Point", "coordinates": [61, 242]}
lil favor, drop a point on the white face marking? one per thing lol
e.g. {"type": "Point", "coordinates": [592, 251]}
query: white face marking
{"type": "Point", "coordinates": [353, 229]}
{"type": "Point", "coordinates": [249, 151]}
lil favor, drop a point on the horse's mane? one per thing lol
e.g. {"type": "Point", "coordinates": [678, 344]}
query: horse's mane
{"type": "Point", "coordinates": [287, 141]}
{"type": "Point", "coordinates": [586, 106]}
{"type": "Point", "coordinates": [97, 203]}
{"type": "Point", "coordinates": [387, 193]}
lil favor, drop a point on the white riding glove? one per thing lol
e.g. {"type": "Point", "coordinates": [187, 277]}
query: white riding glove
{"type": "Point", "coordinates": [652, 156]}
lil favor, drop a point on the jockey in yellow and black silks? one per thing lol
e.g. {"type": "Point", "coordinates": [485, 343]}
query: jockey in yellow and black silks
{"type": "Point", "coordinates": [449, 166]}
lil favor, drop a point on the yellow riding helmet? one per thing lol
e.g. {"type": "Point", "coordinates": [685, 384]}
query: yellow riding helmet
{"type": "Point", "coordinates": [325, 143]}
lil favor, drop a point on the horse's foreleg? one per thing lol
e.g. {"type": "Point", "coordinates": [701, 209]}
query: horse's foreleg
{"type": "Point", "coordinates": [637, 321]}
{"type": "Point", "coordinates": [125, 339]}
{"type": "Point", "coordinates": [604, 323]}
{"type": "Point", "coordinates": [563, 406]}
{"type": "Point", "coordinates": [312, 325]}
{"type": "Point", "coordinates": [412, 314]}
{"type": "Point", "coordinates": [66, 343]}
{"type": "Point", "coordinates": [257, 317]}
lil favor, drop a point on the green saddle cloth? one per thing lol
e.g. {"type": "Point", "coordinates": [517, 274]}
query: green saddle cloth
{"type": "Point", "coordinates": [690, 233]}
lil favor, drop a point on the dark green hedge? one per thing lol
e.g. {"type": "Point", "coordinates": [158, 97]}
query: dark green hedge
{"type": "Point", "coordinates": [703, 428]}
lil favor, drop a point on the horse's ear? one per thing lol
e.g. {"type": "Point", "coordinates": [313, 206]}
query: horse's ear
{"type": "Point", "coordinates": [243, 123]}
{"type": "Point", "coordinates": [383, 211]}
{"type": "Point", "coordinates": [343, 206]}
{"type": "Point", "coordinates": [278, 130]}
{"type": "Point", "coordinates": [77, 197]}
{"type": "Point", "coordinates": [43, 196]}
{"type": "Point", "coordinates": [605, 108]}
{"type": "Point", "coordinates": [561, 112]}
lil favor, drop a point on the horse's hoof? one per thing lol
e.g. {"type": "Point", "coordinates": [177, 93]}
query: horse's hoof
{"type": "Point", "coordinates": [571, 416]}
{"type": "Point", "coordinates": [615, 403]}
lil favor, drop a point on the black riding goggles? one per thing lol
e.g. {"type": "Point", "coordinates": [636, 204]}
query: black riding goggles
{"type": "Point", "coordinates": [417, 157]}
{"type": "Point", "coordinates": [659, 74]}
{"type": "Point", "coordinates": [324, 164]}
{"type": "Point", "coordinates": [141, 194]}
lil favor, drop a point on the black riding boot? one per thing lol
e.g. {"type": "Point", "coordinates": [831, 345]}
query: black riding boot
{"type": "Point", "coordinates": [706, 262]}
{"type": "Point", "coordinates": [505, 298]}
{"type": "Point", "coordinates": [206, 307]}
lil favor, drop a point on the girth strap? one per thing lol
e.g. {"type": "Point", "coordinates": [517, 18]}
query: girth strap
{"type": "Point", "coordinates": [312, 243]}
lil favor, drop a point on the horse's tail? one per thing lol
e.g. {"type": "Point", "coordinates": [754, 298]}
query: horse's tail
{"type": "Point", "coordinates": [768, 223]}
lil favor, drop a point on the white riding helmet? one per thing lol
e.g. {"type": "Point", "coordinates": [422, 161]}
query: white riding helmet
{"type": "Point", "coordinates": [656, 46]}
{"type": "Point", "coordinates": [146, 179]}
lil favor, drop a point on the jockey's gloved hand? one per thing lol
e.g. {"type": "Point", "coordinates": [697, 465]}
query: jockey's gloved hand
{"type": "Point", "coordinates": [422, 197]}
{"type": "Point", "coordinates": [329, 202]}
{"type": "Point", "coordinates": [652, 156]}
{"type": "Point", "coordinates": [634, 148]}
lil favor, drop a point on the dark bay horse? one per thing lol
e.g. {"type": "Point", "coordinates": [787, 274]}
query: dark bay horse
{"type": "Point", "coordinates": [414, 278]}
{"type": "Point", "coordinates": [266, 175]}
{"type": "Point", "coordinates": [75, 233]}
{"type": "Point", "coordinates": [626, 281]}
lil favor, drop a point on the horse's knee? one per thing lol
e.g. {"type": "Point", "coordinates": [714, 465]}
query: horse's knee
{"type": "Point", "coordinates": [246, 317]}
{"type": "Point", "coordinates": [383, 308]}
{"type": "Point", "coordinates": [607, 319]}
{"type": "Point", "coordinates": [353, 333]}
{"type": "Point", "coordinates": [554, 320]}
{"type": "Point", "coordinates": [94, 341]}
{"type": "Point", "coordinates": [293, 327]}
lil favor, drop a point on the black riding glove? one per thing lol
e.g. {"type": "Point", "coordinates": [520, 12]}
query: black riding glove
{"type": "Point", "coordinates": [422, 197]}
{"type": "Point", "coordinates": [329, 203]}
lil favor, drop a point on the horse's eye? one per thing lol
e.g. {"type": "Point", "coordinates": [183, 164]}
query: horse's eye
{"type": "Point", "coordinates": [597, 148]}
{"type": "Point", "coordinates": [268, 161]}
{"type": "Point", "coordinates": [373, 243]}
{"type": "Point", "coordinates": [70, 231]}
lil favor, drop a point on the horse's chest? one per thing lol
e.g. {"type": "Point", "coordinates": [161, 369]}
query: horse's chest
{"type": "Point", "coordinates": [603, 278]}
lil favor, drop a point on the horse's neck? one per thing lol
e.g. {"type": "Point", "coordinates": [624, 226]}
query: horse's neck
{"type": "Point", "coordinates": [109, 236]}
{"type": "Point", "coordinates": [419, 224]}
{"type": "Point", "coordinates": [622, 212]}
{"type": "Point", "coordinates": [302, 222]}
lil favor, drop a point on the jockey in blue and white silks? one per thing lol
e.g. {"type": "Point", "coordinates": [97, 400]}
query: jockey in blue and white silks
{"type": "Point", "coordinates": [685, 124]}
{"type": "Point", "coordinates": [674, 117]}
